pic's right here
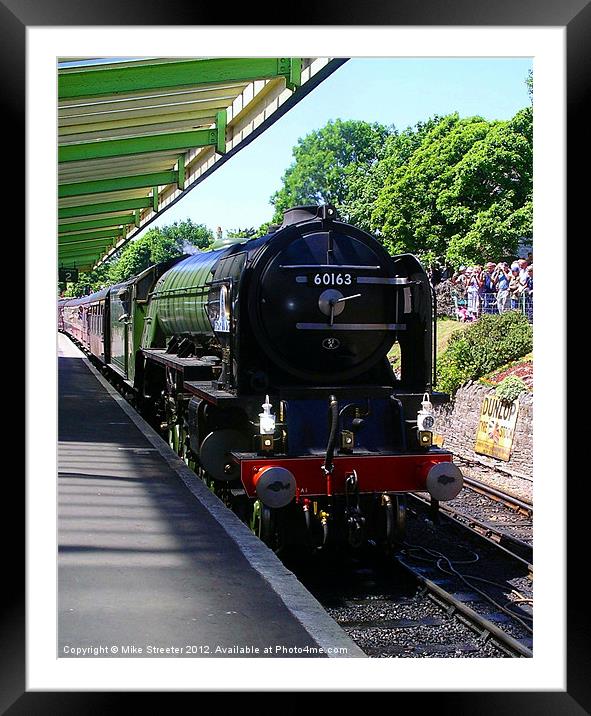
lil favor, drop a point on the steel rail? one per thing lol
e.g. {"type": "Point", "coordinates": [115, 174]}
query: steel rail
{"type": "Point", "coordinates": [522, 551]}
{"type": "Point", "coordinates": [476, 621]}
{"type": "Point", "coordinates": [504, 497]}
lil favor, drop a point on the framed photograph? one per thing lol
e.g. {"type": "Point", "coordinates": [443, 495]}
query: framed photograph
{"type": "Point", "coordinates": [556, 36]}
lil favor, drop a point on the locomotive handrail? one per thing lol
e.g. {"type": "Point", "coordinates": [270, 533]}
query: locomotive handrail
{"type": "Point", "coordinates": [351, 326]}
{"type": "Point", "coordinates": [331, 266]}
{"type": "Point", "coordinates": [434, 341]}
{"type": "Point", "coordinates": [187, 289]}
{"type": "Point", "coordinates": [395, 281]}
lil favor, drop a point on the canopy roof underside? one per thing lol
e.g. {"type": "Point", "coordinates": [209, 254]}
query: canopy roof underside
{"type": "Point", "coordinates": [135, 135]}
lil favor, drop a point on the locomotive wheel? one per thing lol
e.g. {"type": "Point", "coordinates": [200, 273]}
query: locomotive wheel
{"type": "Point", "coordinates": [394, 507]}
{"type": "Point", "coordinates": [173, 437]}
{"type": "Point", "coordinates": [265, 525]}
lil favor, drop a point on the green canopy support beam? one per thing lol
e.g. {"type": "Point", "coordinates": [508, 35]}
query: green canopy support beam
{"type": "Point", "coordinates": [294, 79]}
{"type": "Point", "coordinates": [96, 254]}
{"type": "Point", "coordinates": [77, 260]}
{"type": "Point", "coordinates": [81, 250]}
{"type": "Point", "coordinates": [95, 245]}
{"type": "Point", "coordinates": [180, 179]}
{"type": "Point", "coordinates": [104, 208]}
{"type": "Point", "coordinates": [81, 258]}
{"type": "Point", "coordinates": [101, 186]}
{"type": "Point", "coordinates": [221, 121]}
{"type": "Point", "coordinates": [89, 235]}
{"type": "Point", "coordinates": [122, 220]}
{"type": "Point", "coordinates": [82, 268]}
{"type": "Point", "coordinates": [187, 73]}
{"type": "Point", "coordinates": [136, 218]}
{"type": "Point", "coordinates": [170, 141]}
{"type": "Point", "coordinates": [155, 199]}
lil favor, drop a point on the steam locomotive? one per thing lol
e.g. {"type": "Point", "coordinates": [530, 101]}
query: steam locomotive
{"type": "Point", "coordinates": [265, 364]}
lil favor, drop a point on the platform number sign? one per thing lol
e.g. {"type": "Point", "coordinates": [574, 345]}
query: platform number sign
{"type": "Point", "coordinates": [68, 275]}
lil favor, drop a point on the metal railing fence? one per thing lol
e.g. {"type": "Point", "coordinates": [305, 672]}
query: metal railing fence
{"type": "Point", "coordinates": [469, 307]}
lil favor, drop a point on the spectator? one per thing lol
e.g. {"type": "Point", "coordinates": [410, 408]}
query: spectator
{"type": "Point", "coordinates": [492, 288]}
{"type": "Point", "coordinates": [488, 288]}
{"type": "Point", "coordinates": [459, 278]}
{"type": "Point", "coordinates": [462, 314]}
{"type": "Point", "coordinates": [530, 278]}
{"type": "Point", "coordinates": [502, 275]}
{"type": "Point", "coordinates": [528, 291]}
{"type": "Point", "coordinates": [435, 274]}
{"type": "Point", "coordinates": [447, 272]}
{"type": "Point", "coordinates": [473, 292]}
{"type": "Point", "coordinates": [515, 286]}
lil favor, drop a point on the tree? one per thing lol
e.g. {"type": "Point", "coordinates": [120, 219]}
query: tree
{"type": "Point", "coordinates": [463, 194]}
{"type": "Point", "coordinates": [188, 234]}
{"type": "Point", "coordinates": [89, 282]}
{"type": "Point", "coordinates": [242, 233]}
{"type": "Point", "coordinates": [160, 244]}
{"type": "Point", "coordinates": [364, 186]}
{"type": "Point", "coordinates": [265, 228]}
{"type": "Point", "coordinates": [326, 161]}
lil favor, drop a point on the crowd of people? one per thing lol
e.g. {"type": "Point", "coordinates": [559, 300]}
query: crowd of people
{"type": "Point", "coordinates": [492, 288]}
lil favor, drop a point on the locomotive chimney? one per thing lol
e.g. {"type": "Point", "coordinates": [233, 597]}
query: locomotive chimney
{"type": "Point", "coordinates": [307, 213]}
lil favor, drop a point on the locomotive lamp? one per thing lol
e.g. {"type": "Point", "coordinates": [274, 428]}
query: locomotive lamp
{"type": "Point", "coordinates": [267, 419]}
{"type": "Point", "coordinates": [425, 438]}
{"type": "Point", "coordinates": [425, 416]}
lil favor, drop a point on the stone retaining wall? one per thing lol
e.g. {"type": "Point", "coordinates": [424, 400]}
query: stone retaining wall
{"type": "Point", "coordinates": [458, 422]}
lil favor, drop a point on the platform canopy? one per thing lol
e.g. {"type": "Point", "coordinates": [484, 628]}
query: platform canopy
{"type": "Point", "coordinates": [134, 135]}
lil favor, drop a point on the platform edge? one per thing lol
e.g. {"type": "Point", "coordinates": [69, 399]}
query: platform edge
{"type": "Point", "coordinates": [299, 602]}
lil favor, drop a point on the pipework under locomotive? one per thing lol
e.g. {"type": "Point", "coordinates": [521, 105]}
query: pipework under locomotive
{"type": "Point", "coordinates": [290, 407]}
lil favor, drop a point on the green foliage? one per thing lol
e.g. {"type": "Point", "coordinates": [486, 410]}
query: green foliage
{"type": "Point", "coordinates": [529, 81]}
{"type": "Point", "coordinates": [264, 228]}
{"type": "Point", "coordinates": [246, 233]}
{"type": "Point", "coordinates": [327, 161]}
{"type": "Point", "coordinates": [157, 245]}
{"type": "Point", "coordinates": [454, 189]}
{"type": "Point", "coordinates": [463, 194]}
{"type": "Point", "coordinates": [484, 346]}
{"type": "Point", "coordinates": [364, 186]}
{"type": "Point", "coordinates": [510, 388]}
{"type": "Point", "coordinates": [89, 282]}
{"type": "Point", "coordinates": [444, 293]}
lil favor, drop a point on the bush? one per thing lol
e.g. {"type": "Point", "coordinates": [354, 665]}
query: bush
{"type": "Point", "coordinates": [444, 293]}
{"type": "Point", "coordinates": [488, 344]}
{"type": "Point", "coordinates": [510, 388]}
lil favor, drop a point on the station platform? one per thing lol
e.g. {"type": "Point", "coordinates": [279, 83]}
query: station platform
{"type": "Point", "coordinates": [151, 564]}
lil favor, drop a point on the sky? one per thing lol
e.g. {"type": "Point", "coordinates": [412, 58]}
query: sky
{"type": "Point", "coordinates": [394, 91]}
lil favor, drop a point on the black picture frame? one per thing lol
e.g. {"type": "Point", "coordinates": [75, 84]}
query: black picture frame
{"type": "Point", "coordinates": [575, 15]}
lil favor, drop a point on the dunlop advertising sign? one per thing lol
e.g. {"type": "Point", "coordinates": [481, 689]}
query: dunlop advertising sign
{"type": "Point", "coordinates": [496, 427]}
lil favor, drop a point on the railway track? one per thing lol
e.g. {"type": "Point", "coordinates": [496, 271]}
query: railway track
{"type": "Point", "coordinates": [521, 507]}
{"type": "Point", "coordinates": [455, 590]}
{"type": "Point", "coordinates": [511, 531]}
{"type": "Point", "coordinates": [515, 490]}
{"type": "Point", "coordinates": [397, 609]}
{"type": "Point", "coordinates": [487, 628]}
